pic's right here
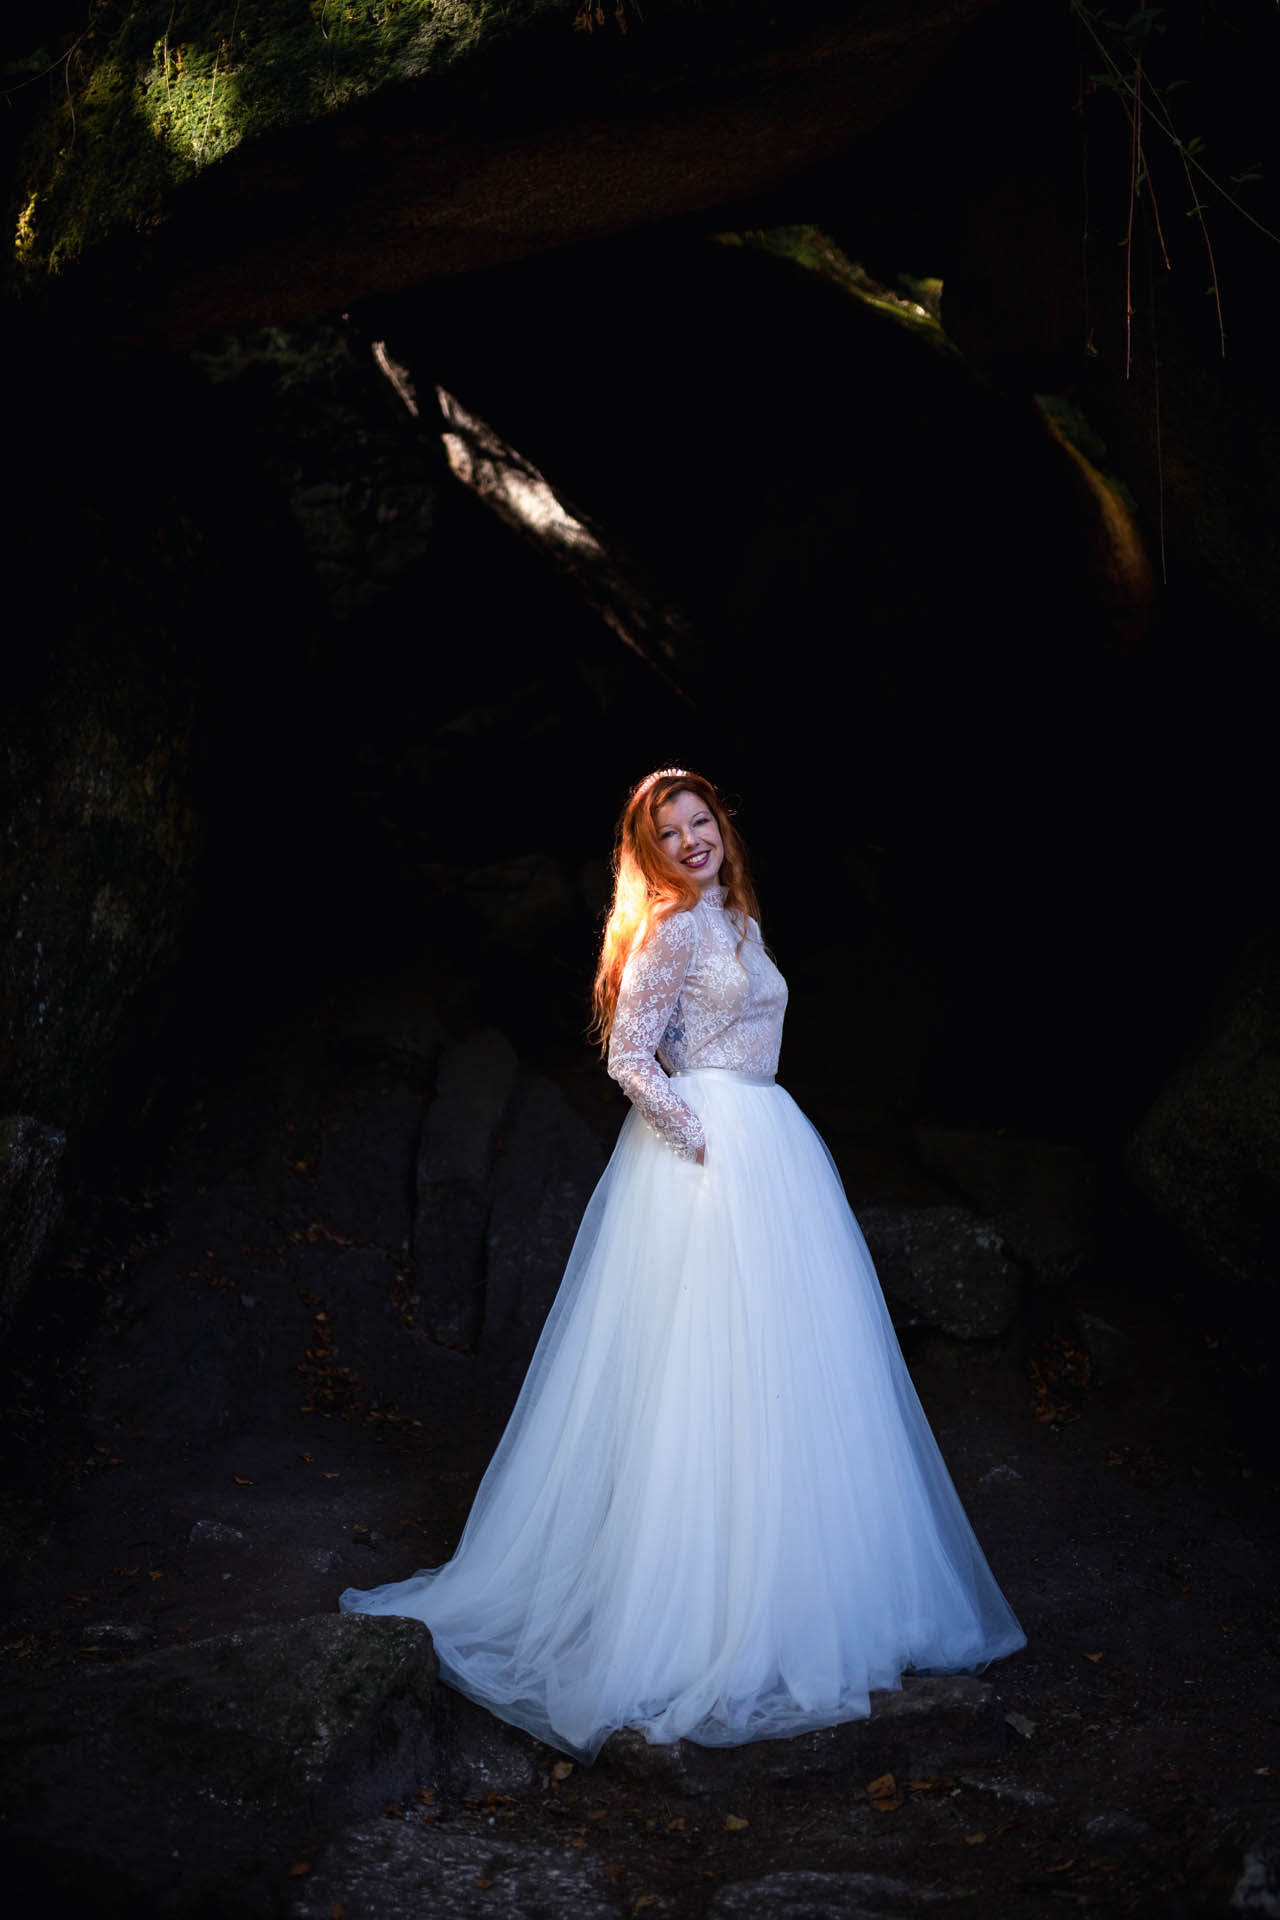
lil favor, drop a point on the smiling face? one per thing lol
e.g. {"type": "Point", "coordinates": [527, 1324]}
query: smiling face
{"type": "Point", "coordinates": [689, 835]}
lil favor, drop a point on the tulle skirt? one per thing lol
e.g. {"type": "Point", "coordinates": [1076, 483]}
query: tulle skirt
{"type": "Point", "coordinates": [717, 1512]}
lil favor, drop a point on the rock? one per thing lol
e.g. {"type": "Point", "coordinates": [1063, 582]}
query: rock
{"type": "Point", "coordinates": [30, 1201]}
{"type": "Point", "coordinates": [822, 1896]}
{"type": "Point", "coordinates": [216, 1532]}
{"type": "Point", "coordinates": [407, 1869]}
{"type": "Point", "coordinates": [944, 1267]}
{"type": "Point", "coordinates": [1041, 1196]}
{"type": "Point", "coordinates": [1109, 1349]}
{"type": "Point", "coordinates": [1208, 1151]}
{"type": "Point", "coordinates": [197, 1768]}
{"type": "Point", "coordinates": [484, 1754]}
{"type": "Point", "coordinates": [396, 1019]}
{"type": "Point", "coordinates": [542, 1183]}
{"type": "Point", "coordinates": [123, 1634]}
{"type": "Point", "coordinates": [459, 1142]}
{"type": "Point", "coordinates": [388, 1360]}
{"type": "Point", "coordinates": [1007, 1793]}
{"type": "Point", "coordinates": [440, 113]}
{"type": "Point", "coordinates": [190, 1368]}
{"type": "Point", "coordinates": [365, 1187]}
{"type": "Point", "coordinates": [1119, 1830]}
{"type": "Point", "coordinates": [1237, 1869]}
{"type": "Point", "coordinates": [932, 1724]}
{"type": "Point", "coordinates": [521, 900]}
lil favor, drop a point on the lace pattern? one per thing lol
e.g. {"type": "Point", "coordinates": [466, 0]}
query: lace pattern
{"type": "Point", "coordinates": [689, 998]}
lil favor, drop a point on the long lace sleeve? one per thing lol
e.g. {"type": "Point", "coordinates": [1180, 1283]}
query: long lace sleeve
{"type": "Point", "coordinates": [651, 984]}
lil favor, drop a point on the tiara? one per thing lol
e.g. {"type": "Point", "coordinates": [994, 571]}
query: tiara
{"type": "Point", "coordinates": [663, 773]}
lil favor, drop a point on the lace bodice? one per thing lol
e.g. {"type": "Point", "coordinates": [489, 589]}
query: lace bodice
{"type": "Point", "coordinates": [689, 999]}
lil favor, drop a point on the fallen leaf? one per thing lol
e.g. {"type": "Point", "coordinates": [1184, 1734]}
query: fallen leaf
{"type": "Point", "coordinates": [1062, 1865]}
{"type": "Point", "coordinates": [612, 1870]}
{"type": "Point", "coordinates": [124, 1572]}
{"type": "Point", "coordinates": [643, 1900]}
{"type": "Point", "coordinates": [734, 1823]}
{"type": "Point", "coordinates": [483, 1885]}
{"type": "Point", "coordinates": [241, 1481]}
{"type": "Point", "coordinates": [298, 1868]}
{"type": "Point", "coordinates": [337, 1910]}
{"type": "Point", "coordinates": [331, 1476]}
{"type": "Point", "coordinates": [1095, 1657]}
{"type": "Point", "coordinates": [673, 1826]}
{"type": "Point", "coordinates": [561, 1769]}
{"type": "Point", "coordinates": [155, 1573]}
{"type": "Point", "coordinates": [598, 1813]}
{"type": "Point", "coordinates": [975, 1839]}
{"type": "Point", "coordinates": [881, 1786]}
{"type": "Point", "coordinates": [309, 1458]}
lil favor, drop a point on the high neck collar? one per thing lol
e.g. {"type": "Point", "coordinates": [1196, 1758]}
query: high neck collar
{"type": "Point", "coordinates": [711, 897]}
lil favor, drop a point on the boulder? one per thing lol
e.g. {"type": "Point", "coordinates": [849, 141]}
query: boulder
{"type": "Point", "coordinates": [460, 1137]}
{"type": "Point", "coordinates": [797, 1895]}
{"type": "Point", "coordinates": [407, 1869]}
{"type": "Point", "coordinates": [932, 1724]}
{"type": "Point", "coordinates": [30, 1200]}
{"type": "Point", "coordinates": [396, 1019]}
{"type": "Point", "coordinates": [1207, 1152]}
{"type": "Point", "coordinates": [159, 1783]}
{"type": "Point", "coordinates": [944, 1267]}
{"type": "Point", "coordinates": [1039, 1194]}
{"type": "Point", "coordinates": [542, 1183]}
{"type": "Point", "coordinates": [521, 900]}
{"type": "Point", "coordinates": [233, 167]}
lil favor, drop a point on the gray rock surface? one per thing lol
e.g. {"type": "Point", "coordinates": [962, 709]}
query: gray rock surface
{"type": "Point", "coordinates": [944, 1267]}
{"type": "Point", "coordinates": [541, 1186]}
{"type": "Point", "coordinates": [953, 1720]}
{"type": "Point", "coordinates": [460, 1137]}
{"type": "Point", "coordinates": [30, 1201]}
{"type": "Point", "coordinates": [406, 1870]}
{"type": "Point", "coordinates": [521, 900]}
{"type": "Point", "coordinates": [167, 1779]}
{"type": "Point", "coordinates": [822, 1896]}
{"type": "Point", "coordinates": [1208, 1151]}
{"type": "Point", "coordinates": [1040, 1195]}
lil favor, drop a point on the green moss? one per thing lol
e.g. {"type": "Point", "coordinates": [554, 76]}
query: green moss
{"type": "Point", "coordinates": [155, 93]}
{"type": "Point", "coordinates": [916, 307]}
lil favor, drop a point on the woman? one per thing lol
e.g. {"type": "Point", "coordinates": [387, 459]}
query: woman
{"type": "Point", "coordinates": [717, 1511]}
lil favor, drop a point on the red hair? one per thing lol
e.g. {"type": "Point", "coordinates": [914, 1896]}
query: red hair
{"type": "Point", "coordinates": [648, 886]}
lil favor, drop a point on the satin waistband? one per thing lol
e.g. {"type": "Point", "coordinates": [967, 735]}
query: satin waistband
{"type": "Point", "coordinates": [727, 1073]}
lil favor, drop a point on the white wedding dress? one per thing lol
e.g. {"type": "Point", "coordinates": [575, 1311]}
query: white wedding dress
{"type": "Point", "coordinates": [717, 1511]}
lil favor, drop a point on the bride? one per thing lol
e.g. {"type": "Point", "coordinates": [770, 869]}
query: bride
{"type": "Point", "coordinates": [717, 1512]}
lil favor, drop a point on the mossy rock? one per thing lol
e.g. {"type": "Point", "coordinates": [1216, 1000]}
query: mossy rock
{"type": "Point", "coordinates": [453, 133]}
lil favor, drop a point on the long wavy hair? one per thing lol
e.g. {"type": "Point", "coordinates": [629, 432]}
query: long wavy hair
{"type": "Point", "coordinates": [648, 886]}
